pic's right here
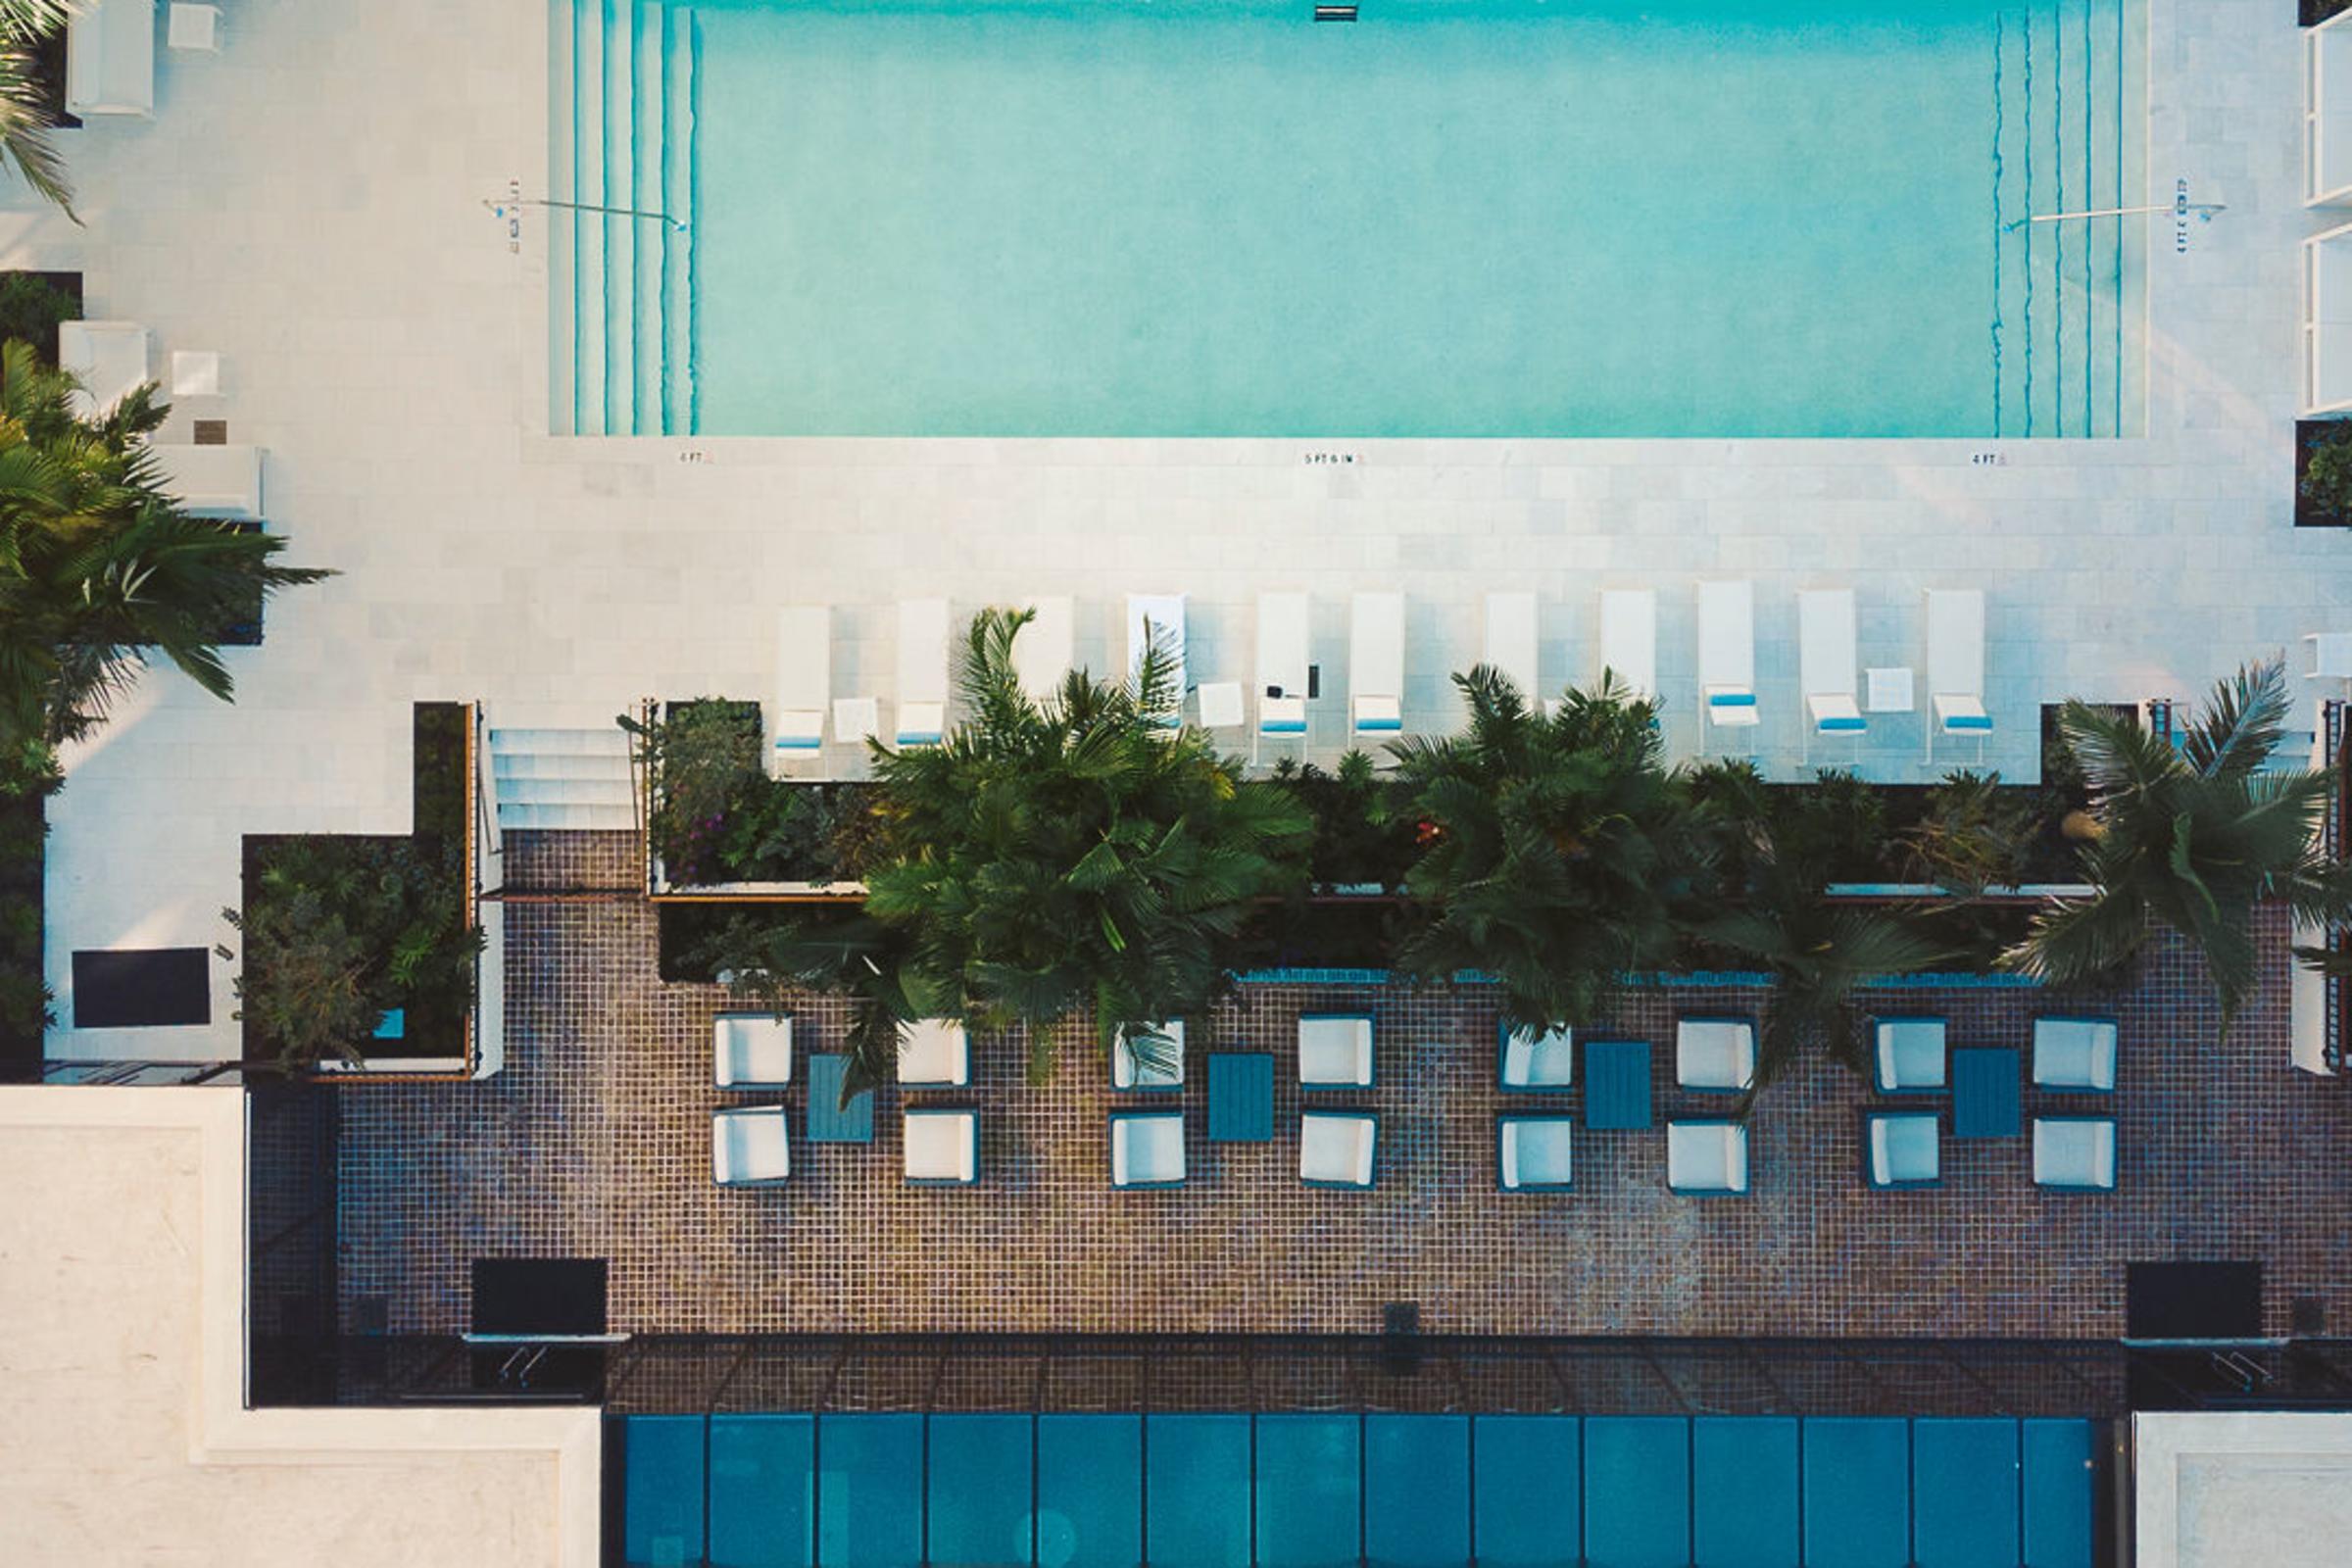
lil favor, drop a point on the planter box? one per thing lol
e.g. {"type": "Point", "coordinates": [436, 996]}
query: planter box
{"type": "Point", "coordinates": [2308, 435]}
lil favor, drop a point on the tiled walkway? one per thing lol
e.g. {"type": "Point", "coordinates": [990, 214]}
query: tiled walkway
{"type": "Point", "coordinates": [595, 1140]}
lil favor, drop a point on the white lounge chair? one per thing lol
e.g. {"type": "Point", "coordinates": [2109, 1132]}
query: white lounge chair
{"type": "Point", "coordinates": [1045, 651]}
{"type": "Point", "coordinates": [1282, 667]}
{"type": "Point", "coordinates": [750, 1146]}
{"type": "Point", "coordinates": [934, 1053]}
{"type": "Point", "coordinates": [1534, 1153]}
{"type": "Point", "coordinates": [1716, 1054]}
{"type": "Point", "coordinates": [942, 1146]}
{"type": "Point", "coordinates": [1727, 653]}
{"type": "Point", "coordinates": [110, 58]}
{"type": "Point", "coordinates": [1159, 616]}
{"type": "Point", "coordinates": [211, 482]}
{"type": "Point", "coordinates": [1127, 1071]}
{"type": "Point", "coordinates": [796, 720]}
{"type": "Point", "coordinates": [1629, 638]}
{"type": "Point", "coordinates": [1335, 1049]}
{"type": "Point", "coordinates": [1147, 1149]}
{"type": "Point", "coordinates": [107, 358]}
{"type": "Point", "coordinates": [1512, 647]}
{"type": "Point", "coordinates": [2076, 1154]}
{"type": "Point", "coordinates": [1956, 664]}
{"type": "Point", "coordinates": [1827, 662]}
{"type": "Point", "coordinates": [922, 672]}
{"type": "Point", "coordinates": [1706, 1158]}
{"type": "Point", "coordinates": [750, 1050]}
{"type": "Point", "coordinates": [1336, 1147]}
{"type": "Point", "coordinates": [1376, 663]}
{"type": "Point", "coordinates": [2075, 1054]}
{"type": "Point", "coordinates": [1537, 1062]}
{"type": "Point", "coordinates": [1908, 1055]}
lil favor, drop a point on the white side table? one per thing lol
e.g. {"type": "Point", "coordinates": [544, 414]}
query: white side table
{"type": "Point", "coordinates": [1220, 704]}
{"type": "Point", "coordinates": [1887, 690]}
{"type": "Point", "coordinates": [2331, 654]}
{"type": "Point", "coordinates": [195, 373]}
{"type": "Point", "coordinates": [195, 28]}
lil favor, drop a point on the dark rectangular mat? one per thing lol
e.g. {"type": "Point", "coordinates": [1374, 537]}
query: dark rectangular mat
{"type": "Point", "coordinates": [2193, 1300]}
{"type": "Point", "coordinates": [134, 988]}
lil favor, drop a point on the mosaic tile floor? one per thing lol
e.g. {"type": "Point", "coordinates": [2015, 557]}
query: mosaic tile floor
{"type": "Point", "coordinates": [595, 1141]}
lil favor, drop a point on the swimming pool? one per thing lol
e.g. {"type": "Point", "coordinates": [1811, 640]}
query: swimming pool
{"type": "Point", "coordinates": [1450, 217]}
{"type": "Point", "coordinates": [1329, 1489]}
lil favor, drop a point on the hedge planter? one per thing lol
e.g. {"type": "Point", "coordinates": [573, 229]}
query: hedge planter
{"type": "Point", "coordinates": [2324, 502]}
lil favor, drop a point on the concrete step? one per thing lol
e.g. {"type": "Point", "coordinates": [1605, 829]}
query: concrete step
{"type": "Point", "coordinates": [565, 792]}
{"type": "Point", "coordinates": [514, 767]}
{"type": "Point", "coordinates": [566, 818]}
{"type": "Point", "coordinates": [609, 742]}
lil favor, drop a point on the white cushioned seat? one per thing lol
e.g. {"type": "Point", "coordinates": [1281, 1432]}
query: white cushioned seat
{"type": "Point", "coordinates": [1336, 1147]}
{"type": "Point", "coordinates": [1905, 1150]}
{"type": "Point", "coordinates": [1908, 1054]}
{"type": "Point", "coordinates": [934, 1051]}
{"type": "Point", "coordinates": [1716, 1053]}
{"type": "Point", "coordinates": [1335, 1050]}
{"type": "Point", "coordinates": [2074, 1053]}
{"type": "Point", "coordinates": [942, 1146]}
{"type": "Point", "coordinates": [2077, 1152]}
{"type": "Point", "coordinates": [1538, 1061]}
{"type": "Point", "coordinates": [1147, 1149]}
{"type": "Point", "coordinates": [750, 1146]}
{"type": "Point", "coordinates": [1534, 1152]}
{"type": "Point", "coordinates": [750, 1050]}
{"type": "Point", "coordinates": [1707, 1157]}
{"type": "Point", "coordinates": [1127, 1072]}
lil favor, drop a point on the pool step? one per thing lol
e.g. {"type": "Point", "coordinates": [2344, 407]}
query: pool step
{"type": "Point", "coordinates": [620, 285]}
{"type": "Point", "coordinates": [2069, 119]}
{"type": "Point", "coordinates": [563, 779]}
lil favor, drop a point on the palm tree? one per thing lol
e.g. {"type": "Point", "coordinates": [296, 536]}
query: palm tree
{"type": "Point", "coordinates": [25, 122]}
{"type": "Point", "coordinates": [1776, 852]}
{"type": "Point", "coordinates": [1556, 848]}
{"type": "Point", "coordinates": [2191, 840]}
{"type": "Point", "coordinates": [98, 564]}
{"type": "Point", "coordinates": [1048, 859]}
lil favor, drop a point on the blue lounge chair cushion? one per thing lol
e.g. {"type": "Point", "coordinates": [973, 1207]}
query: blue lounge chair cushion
{"type": "Point", "coordinates": [1731, 698]}
{"type": "Point", "coordinates": [1283, 726]}
{"type": "Point", "coordinates": [1842, 724]}
{"type": "Point", "coordinates": [1969, 721]}
{"type": "Point", "coordinates": [1380, 724]}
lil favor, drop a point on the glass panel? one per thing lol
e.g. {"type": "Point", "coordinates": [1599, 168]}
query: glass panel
{"type": "Point", "coordinates": [1529, 1494]}
{"type": "Point", "coordinates": [1857, 1492]}
{"type": "Point", "coordinates": [1743, 1491]}
{"type": "Point", "coordinates": [1309, 1490]}
{"type": "Point", "coordinates": [1089, 1490]}
{"type": "Point", "coordinates": [1197, 1498]}
{"type": "Point", "coordinates": [979, 1490]}
{"type": "Point", "coordinates": [1418, 1490]}
{"type": "Point", "coordinates": [869, 1501]}
{"type": "Point", "coordinates": [759, 1468]}
{"type": "Point", "coordinates": [1637, 1491]}
{"type": "Point", "coordinates": [2059, 1492]}
{"type": "Point", "coordinates": [661, 1502]}
{"type": "Point", "coordinates": [1963, 1493]}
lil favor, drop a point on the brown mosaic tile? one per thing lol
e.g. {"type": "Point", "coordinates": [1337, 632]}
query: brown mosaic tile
{"type": "Point", "coordinates": [595, 1140]}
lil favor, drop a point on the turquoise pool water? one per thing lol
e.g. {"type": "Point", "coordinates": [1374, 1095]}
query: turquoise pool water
{"type": "Point", "coordinates": [1452, 217]}
{"type": "Point", "coordinates": [1335, 1490]}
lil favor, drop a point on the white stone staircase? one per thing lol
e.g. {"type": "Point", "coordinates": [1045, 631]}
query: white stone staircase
{"type": "Point", "coordinates": [563, 779]}
{"type": "Point", "coordinates": [621, 288]}
{"type": "Point", "coordinates": [2070, 117]}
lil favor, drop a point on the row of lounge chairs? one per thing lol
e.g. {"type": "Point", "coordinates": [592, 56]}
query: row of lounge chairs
{"type": "Point", "coordinates": [1286, 681]}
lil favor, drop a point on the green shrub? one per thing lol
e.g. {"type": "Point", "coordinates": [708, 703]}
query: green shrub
{"type": "Point", "coordinates": [30, 309]}
{"type": "Point", "coordinates": [2328, 475]}
{"type": "Point", "coordinates": [339, 931]}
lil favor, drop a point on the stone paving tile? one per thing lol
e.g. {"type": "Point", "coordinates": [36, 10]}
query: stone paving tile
{"type": "Point", "coordinates": [594, 1141]}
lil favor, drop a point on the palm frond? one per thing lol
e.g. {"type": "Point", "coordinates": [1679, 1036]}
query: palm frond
{"type": "Point", "coordinates": [2241, 722]}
